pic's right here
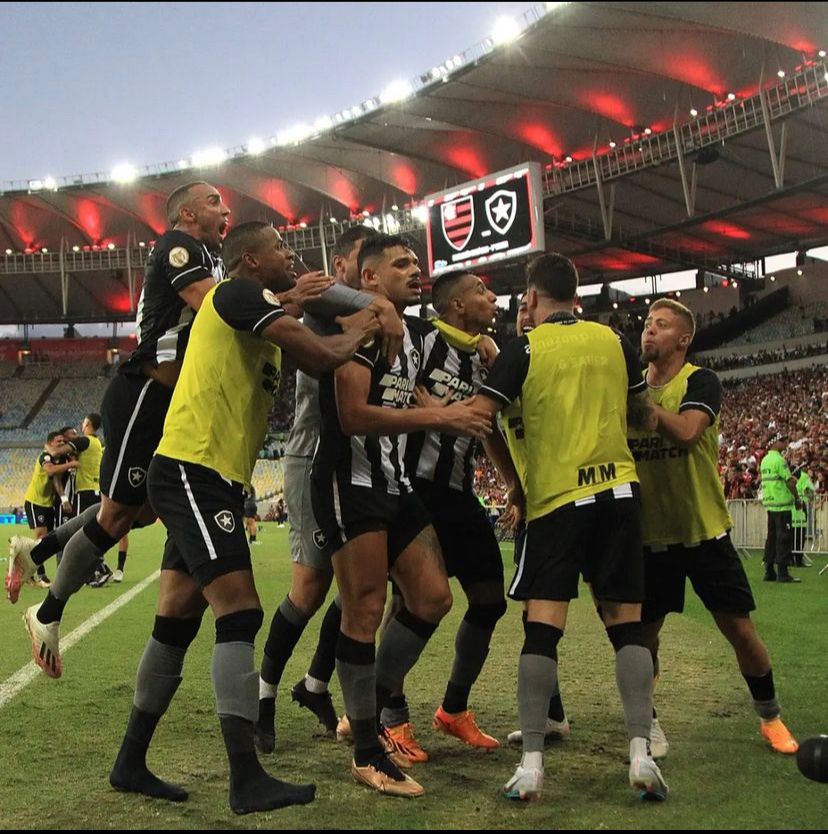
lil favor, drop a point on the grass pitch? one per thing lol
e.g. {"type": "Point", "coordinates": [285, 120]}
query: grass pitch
{"type": "Point", "coordinates": [58, 738]}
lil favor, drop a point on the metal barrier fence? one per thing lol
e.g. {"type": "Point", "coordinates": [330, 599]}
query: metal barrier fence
{"type": "Point", "coordinates": [750, 524]}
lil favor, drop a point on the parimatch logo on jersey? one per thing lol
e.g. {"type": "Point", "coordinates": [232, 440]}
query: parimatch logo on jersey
{"type": "Point", "coordinates": [441, 381]}
{"type": "Point", "coordinates": [396, 390]}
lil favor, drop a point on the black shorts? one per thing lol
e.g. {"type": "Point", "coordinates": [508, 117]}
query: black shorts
{"type": "Point", "coordinates": [203, 515]}
{"type": "Point", "coordinates": [470, 549]}
{"type": "Point", "coordinates": [38, 516]}
{"type": "Point", "coordinates": [85, 499]}
{"type": "Point", "coordinates": [343, 513]}
{"type": "Point", "coordinates": [250, 510]}
{"type": "Point", "coordinates": [600, 539]}
{"type": "Point", "coordinates": [713, 567]}
{"type": "Point", "coordinates": [132, 414]}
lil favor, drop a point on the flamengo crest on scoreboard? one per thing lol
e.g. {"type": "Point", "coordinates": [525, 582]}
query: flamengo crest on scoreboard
{"type": "Point", "coordinates": [486, 221]}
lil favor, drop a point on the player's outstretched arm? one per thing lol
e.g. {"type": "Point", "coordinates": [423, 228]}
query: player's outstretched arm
{"type": "Point", "coordinates": [358, 417]}
{"type": "Point", "coordinates": [317, 354]}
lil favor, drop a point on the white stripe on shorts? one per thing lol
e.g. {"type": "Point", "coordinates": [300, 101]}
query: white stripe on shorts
{"type": "Point", "coordinates": [521, 564]}
{"type": "Point", "coordinates": [125, 439]}
{"type": "Point", "coordinates": [338, 508]}
{"type": "Point", "coordinates": [201, 525]}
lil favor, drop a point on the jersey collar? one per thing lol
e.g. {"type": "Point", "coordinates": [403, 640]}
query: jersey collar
{"type": "Point", "coordinates": [458, 338]}
{"type": "Point", "coordinates": [560, 317]}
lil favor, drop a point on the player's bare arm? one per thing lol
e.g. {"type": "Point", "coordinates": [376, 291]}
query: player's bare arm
{"type": "Point", "coordinates": [318, 354]}
{"type": "Point", "coordinates": [358, 417]}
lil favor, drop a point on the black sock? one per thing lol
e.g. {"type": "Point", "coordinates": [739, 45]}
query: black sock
{"type": "Point", "coordinates": [281, 641]}
{"type": "Point", "coordinates": [761, 688]}
{"type": "Point", "coordinates": [556, 710]}
{"type": "Point", "coordinates": [456, 698]}
{"type": "Point", "coordinates": [324, 659]}
{"type": "Point", "coordinates": [51, 609]}
{"type": "Point", "coordinates": [46, 547]}
{"type": "Point", "coordinates": [252, 539]}
{"type": "Point", "coordinates": [251, 789]}
{"type": "Point", "coordinates": [122, 557]}
{"type": "Point", "coordinates": [130, 772]}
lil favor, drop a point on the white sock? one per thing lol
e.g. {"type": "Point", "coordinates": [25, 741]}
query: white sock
{"type": "Point", "coordinates": [639, 748]}
{"type": "Point", "coordinates": [532, 761]}
{"type": "Point", "coordinates": [314, 685]}
{"type": "Point", "coordinates": [266, 690]}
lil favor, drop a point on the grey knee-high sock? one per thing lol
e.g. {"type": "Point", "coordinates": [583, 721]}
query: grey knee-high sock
{"type": "Point", "coordinates": [80, 556]}
{"type": "Point", "coordinates": [634, 676]}
{"type": "Point", "coordinates": [159, 676]}
{"type": "Point", "coordinates": [55, 541]}
{"type": "Point", "coordinates": [401, 646]}
{"type": "Point", "coordinates": [356, 667]}
{"type": "Point", "coordinates": [537, 680]}
{"type": "Point", "coordinates": [235, 680]}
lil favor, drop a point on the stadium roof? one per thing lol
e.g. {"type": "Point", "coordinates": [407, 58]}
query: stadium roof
{"type": "Point", "coordinates": [743, 177]}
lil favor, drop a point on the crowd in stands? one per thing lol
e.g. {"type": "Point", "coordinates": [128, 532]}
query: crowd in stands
{"type": "Point", "coordinates": [792, 402]}
{"type": "Point", "coordinates": [762, 357]}
{"type": "Point", "coordinates": [752, 410]}
{"type": "Point", "coordinates": [796, 320]}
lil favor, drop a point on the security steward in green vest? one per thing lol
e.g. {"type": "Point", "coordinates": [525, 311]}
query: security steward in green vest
{"type": "Point", "coordinates": [780, 498]}
{"type": "Point", "coordinates": [684, 513]}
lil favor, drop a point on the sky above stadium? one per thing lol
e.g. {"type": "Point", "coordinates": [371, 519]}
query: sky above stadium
{"type": "Point", "coordinates": [87, 87]}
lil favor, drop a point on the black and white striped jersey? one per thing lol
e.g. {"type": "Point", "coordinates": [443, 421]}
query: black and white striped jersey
{"type": "Point", "coordinates": [163, 319]}
{"type": "Point", "coordinates": [444, 459]}
{"type": "Point", "coordinates": [375, 462]}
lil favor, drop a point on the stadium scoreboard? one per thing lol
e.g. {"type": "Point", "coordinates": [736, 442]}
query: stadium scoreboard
{"type": "Point", "coordinates": [486, 221]}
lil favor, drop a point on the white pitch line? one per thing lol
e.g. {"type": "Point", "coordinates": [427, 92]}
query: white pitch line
{"type": "Point", "coordinates": [23, 677]}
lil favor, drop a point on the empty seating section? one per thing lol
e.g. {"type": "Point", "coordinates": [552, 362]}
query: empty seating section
{"type": "Point", "coordinates": [18, 398]}
{"type": "Point", "coordinates": [16, 467]}
{"type": "Point", "coordinates": [268, 479]}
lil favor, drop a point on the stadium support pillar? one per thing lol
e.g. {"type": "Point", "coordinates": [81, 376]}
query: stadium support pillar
{"type": "Point", "coordinates": [606, 210]}
{"type": "Point", "coordinates": [130, 276]}
{"type": "Point", "coordinates": [64, 278]}
{"type": "Point", "coordinates": [777, 163]}
{"type": "Point", "coordinates": [322, 239]}
{"type": "Point", "coordinates": [688, 187]}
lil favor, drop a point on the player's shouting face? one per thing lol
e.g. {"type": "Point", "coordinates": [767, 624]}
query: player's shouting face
{"type": "Point", "coordinates": [209, 212]}
{"type": "Point", "coordinates": [395, 274]}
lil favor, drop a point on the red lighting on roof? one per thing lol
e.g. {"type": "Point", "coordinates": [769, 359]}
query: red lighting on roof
{"type": "Point", "coordinates": [151, 208]}
{"type": "Point", "coordinates": [273, 193]}
{"type": "Point", "coordinates": [117, 302]}
{"type": "Point", "coordinates": [88, 215]}
{"type": "Point", "coordinates": [695, 70]}
{"type": "Point", "coordinates": [467, 159]}
{"type": "Point", "coordinates": [609, 106]}
{"type": "Point", "coordinates": [728, 230]}
{"type": "Point", "coordinates": [539, 136]}
{"type": "Point", "coordinates": [404, 177]}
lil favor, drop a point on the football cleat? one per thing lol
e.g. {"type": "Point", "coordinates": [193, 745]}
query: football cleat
{"type": "Point", "coordinates": [118, 576]}
{"type": "Point", "coordinates": [45, 643]}
{"type": "Point", "coordinates": [554, 731]}
{"type": "Point", "coordinates": [394, 753]}
{"type": "Point", "coordinates": [778, 736]}
{"type": "Point", "coordinates": [319, 703]}
{"type": "Point", "coordinates": [383, 776]}
{"type": "Point", "coordinates": [464, 726]}
{"type": "Point", "coordinates": [526, 785]}
{"type": "Point", "coordinates": [21, 567]}
{"type": "Point", "coordinates": [646, 778]}
{"type": "Point", "coordinates": [404, 741]}
{"type": "Point", "coordinates": [658, 741]}
{"type": "Point", "coordinates": [343, 730]}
